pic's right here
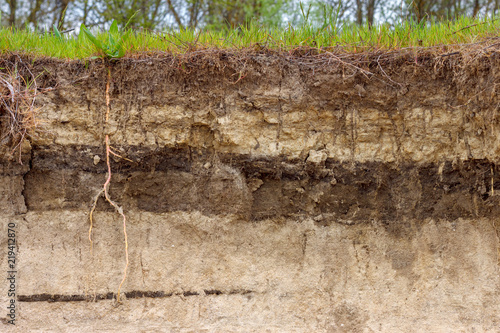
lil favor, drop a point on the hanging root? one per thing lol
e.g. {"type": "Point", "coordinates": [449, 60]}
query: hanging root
{"type": "Point", "coordinates": [17, 107]}
{"type": "Point", "coordinates": [119, 156]}
{"type": "Point", "coordinates": [91, 218]}
{"type": "Point", "coordinates": [105, 190]}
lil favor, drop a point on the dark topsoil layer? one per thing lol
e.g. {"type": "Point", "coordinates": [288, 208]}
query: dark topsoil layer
{"type": "Point", "coordinates": [331, 80]}
{"type": "Point", "coordinates": [334, 191]}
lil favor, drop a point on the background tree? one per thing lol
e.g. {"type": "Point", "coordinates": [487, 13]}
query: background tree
{"type": "Point", "coordinates": [35, 13]}
{"type": "Point", "coordinates": [366, 10]}
{"type": "Point", "coordinates": [147, 14]}
{"type": "Point", "coordinates": [221, 14]}
{"type": "Point", "coordinates": [449, 9]}
{"type": "Point", "coordinates": [232, 14]}
{"type": "Point", "coordinates": [357, 11]}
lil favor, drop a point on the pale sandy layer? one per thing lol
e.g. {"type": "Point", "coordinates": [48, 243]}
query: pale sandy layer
{"type": "Point", "coordinates": [441, 277]}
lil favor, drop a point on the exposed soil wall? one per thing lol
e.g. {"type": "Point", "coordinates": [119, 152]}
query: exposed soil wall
{"type": "Point", "coordinates": [263, 192]}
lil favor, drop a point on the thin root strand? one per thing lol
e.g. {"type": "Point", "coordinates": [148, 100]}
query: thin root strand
{"type": "Point", "coordinates": [105, 191]}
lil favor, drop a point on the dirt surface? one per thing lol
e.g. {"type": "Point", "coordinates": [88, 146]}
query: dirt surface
{"type": "Point", "coordinates": [264, 192]}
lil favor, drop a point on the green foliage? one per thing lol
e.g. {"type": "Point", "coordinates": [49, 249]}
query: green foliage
{"type": "Point", "coordinates": [133, 13]}
{"type": "Point", "coordinates": [326, 36]}
{"type": "Point", "coordinates": [113, 47]}
{"type": "Point", "coordinates": [57, 33]}
{"type": "Point", "coordinates": [230, 14]}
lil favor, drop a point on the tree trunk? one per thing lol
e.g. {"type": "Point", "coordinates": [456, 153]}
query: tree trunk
{"type": "Point", "coordinates": [370, 12]}
{"type": "Point", "coordinates": [32, 18]}
{"type": "Point", "coordinates": [359, 12]}
{"type": "Point", "coordinates": [176, 16]}
{"type": "Point", "coordinates": [476, 8]}
{"type": "Point", "coordinates": [12, 12]}
{"type": "Point", "coordinates": [419, 9]}
{"type": "Point", "coordinates": [62, 6]}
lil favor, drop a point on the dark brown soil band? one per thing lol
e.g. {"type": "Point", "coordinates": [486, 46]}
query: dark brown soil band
{"type": "Point", "coordinates": [182, 179]}
{"type": "Point", "coordinates": [129, 295]}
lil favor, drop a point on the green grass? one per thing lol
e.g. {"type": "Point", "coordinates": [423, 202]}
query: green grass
{"type": "Point", "coordinates": [349, 37]}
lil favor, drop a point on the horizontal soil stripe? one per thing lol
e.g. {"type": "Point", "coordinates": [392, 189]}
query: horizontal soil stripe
{"type": "Point", "coordinates": [128, 295]}
{"type": "Point", "coordinates": [181, 179]}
